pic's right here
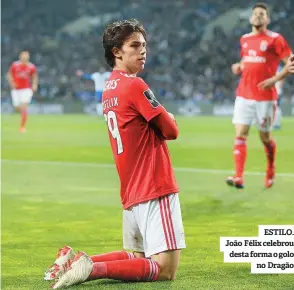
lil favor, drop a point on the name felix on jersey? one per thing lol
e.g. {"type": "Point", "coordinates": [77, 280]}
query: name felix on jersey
{"type": "Point", "coordinates": [109, 103]}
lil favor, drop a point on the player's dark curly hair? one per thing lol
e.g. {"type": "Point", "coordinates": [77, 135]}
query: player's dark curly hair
{"type": "Point", "coordinates": [116, 33]}
{"type": "Point", "coordinates": [263, 6]}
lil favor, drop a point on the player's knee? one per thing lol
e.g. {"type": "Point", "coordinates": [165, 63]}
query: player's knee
{"type": "Point", "coordinates": [265, 138]}
{"type": "Point", "coordinates": [167, 274]}
{"type": "Point", "coordinates": [23, 107]}
{"type": "Point", "coordinates": [168, 262]}
{"type": "Point", "coordinates": [242, 131]}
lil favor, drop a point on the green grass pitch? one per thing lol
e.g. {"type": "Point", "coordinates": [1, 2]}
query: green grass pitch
{"type": "Point", "coordinates": [58, 190]}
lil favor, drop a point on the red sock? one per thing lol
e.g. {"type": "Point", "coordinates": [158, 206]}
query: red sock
{"type": "Point", "coordinates": [24, 117]}
{"type": "Point", "coordinates": [270, 151]}
{"type": "Point", "coordinates": [140, 269]}
{"type": "Point", "coordinates": [240, 154]}
{"type": "Point", "coordinates": [113, 256]}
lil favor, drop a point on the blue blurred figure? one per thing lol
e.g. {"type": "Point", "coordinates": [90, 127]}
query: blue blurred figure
{"type": "Point", "coordinates": [99, 79]}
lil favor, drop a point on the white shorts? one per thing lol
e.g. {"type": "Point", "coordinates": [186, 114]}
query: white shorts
{"type": "Point", "coordinates": [21, 96]}
{"type": "Point", "coordinates": [262, 112]}
{"type": "Point", "coordinates": [154, 226]}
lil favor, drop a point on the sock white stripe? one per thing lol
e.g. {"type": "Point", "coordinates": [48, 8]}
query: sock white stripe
{"type": "Point", "coordinates": [155, 270]}
{"type": "Point", "coordinates": [150, 274]}
{"type": "Point", "coordinates": [240, 141]}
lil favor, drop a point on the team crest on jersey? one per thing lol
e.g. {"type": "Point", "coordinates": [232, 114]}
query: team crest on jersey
{"type": "Point", "coordinates": [263, 45]}
{"type": "Point", "coordinates": [245, 45]}
{"type": "Point", "coordinates": [151, 98]}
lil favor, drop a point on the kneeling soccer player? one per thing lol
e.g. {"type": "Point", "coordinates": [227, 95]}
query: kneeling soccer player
{"type": "Point", "coordinates": [138, 127]}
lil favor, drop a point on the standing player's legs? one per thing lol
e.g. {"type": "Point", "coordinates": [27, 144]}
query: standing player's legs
{"type": "Point", "coordinates": [20, 100]}
{"type": "Point", "coordinates": [244, 113]}
{"type": "Point", "coordinates": [154, 227]}
{"type": "Point", "coordinates": [265, 114]}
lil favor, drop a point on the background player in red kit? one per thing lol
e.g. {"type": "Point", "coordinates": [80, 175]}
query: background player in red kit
{"type": "Point", "coordinates": [138, 127]}
{"type": "Point", "coordinates": [23, 81]}
{"type": "Point", "coordinates": [261, 52]}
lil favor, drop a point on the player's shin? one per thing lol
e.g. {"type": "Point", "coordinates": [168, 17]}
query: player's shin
{"type": "Point", "coordinates": [113, 256]}
{"type": "Point", "coordinates": [240, 155]}
{"type": "Point", "coordinates": [140, 269]}
{"type": "Point", "coordinates": [270, 151]}
{"type": "Point", "coordinates": [24, 116]}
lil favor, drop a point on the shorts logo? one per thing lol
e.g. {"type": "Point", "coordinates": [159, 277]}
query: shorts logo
{"type": "Point", "coordinates": [151, 98]}
{"type": "Point", "coordinates": [263, 45]}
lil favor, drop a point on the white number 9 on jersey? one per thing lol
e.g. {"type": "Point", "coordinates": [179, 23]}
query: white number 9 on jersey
{"type": "Point", "coordinates": [111, 120]}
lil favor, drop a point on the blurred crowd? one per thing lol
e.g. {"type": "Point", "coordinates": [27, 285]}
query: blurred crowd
{"type": "Point", "coordinates": [181, 63]}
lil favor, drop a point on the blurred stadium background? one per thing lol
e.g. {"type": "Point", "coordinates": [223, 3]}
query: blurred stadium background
{"type": "Point", "coordinates": [191, 45]}
{"type": "Point", "coordinates": [58, 183]}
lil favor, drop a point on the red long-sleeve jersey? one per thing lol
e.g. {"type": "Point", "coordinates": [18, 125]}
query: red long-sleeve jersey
{"type": "Point", "coordinates": [138, 127]}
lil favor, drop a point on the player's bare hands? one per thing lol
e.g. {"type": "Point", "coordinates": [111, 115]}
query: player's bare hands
{"type": "Point", "coordinates": [34, 87]}
{"type": "Point", "coordinates": [290, 64]}
{"type": "Point", "coordinates": [267, 84]}
{"type": "Point", "coordinates": [79, 73]}
{"type": "Point", "coordinates": [237, 68]}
